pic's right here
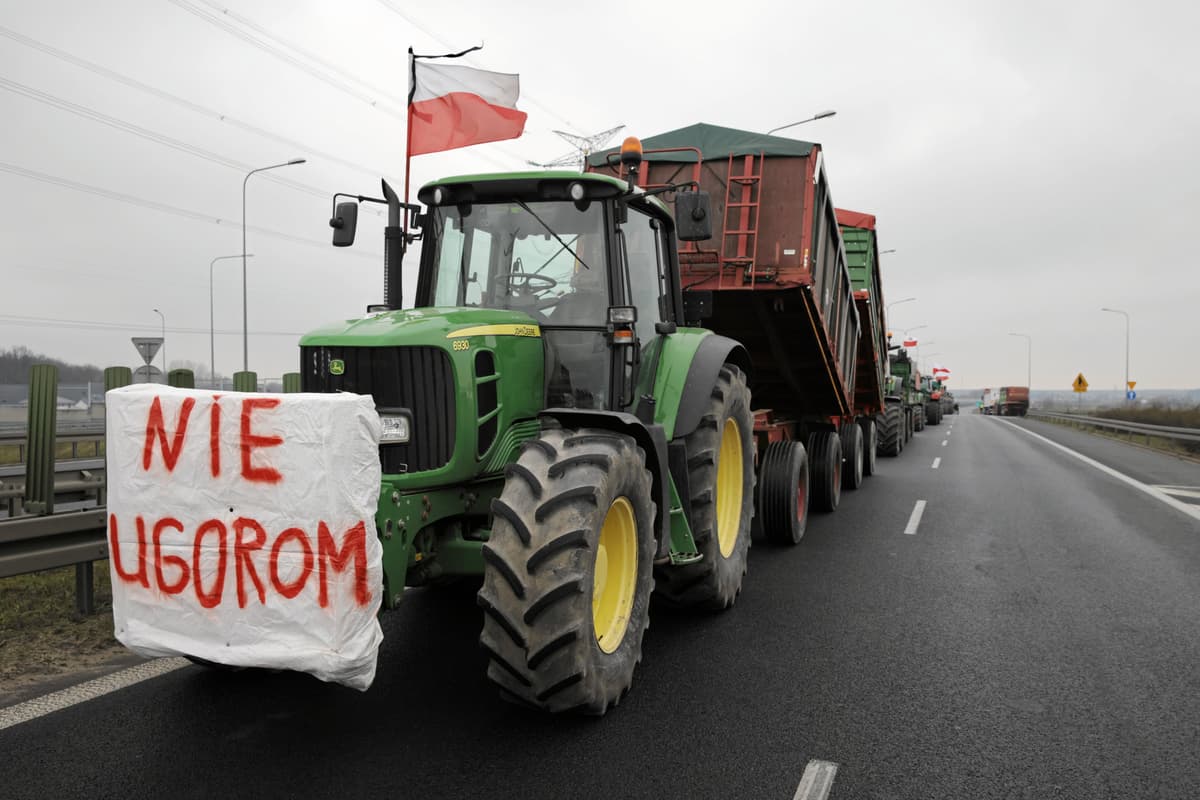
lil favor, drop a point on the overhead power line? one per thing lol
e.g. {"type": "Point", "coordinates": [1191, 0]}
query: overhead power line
{"type": "Point", "coordinates": [168, 209]}
{"type": "Point", "coordinates": [299, 63]}
{"type": "Point", "coordinates": [164, 95]}
{"type": "Point", "coordinates": [153, 136]}
{"type": "Point", "coordinates": [99, 325]}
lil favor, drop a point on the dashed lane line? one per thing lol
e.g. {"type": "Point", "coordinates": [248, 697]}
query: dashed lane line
{"type": "Point", "coordinates": [90, 690]}
{"type": "Point", "coordinates": [945, 442]}
{"type": "Point", "coordinates": [914, 521]}
{"type": "Point", "coordinates": [816, 781]}
{"type": "Point", "coordinates": [937, 462]}
{"type": "Point", "coordinates": [1155, 492]}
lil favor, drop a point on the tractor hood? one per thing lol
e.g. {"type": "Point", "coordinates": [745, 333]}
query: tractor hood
{"type": "Point", "coordinates": [424, 326]}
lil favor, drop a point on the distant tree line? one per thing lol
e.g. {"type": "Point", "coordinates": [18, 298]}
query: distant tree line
{"type": "Point", "coordinates": [16, 361]}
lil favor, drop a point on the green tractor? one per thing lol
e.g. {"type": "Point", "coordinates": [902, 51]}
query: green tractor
{"type": "Point", "coordinates": [549, 421]}
{"type": "Point", "coordinates": [932, 391]}
{"type": "Point", "coordinates": [905, 412]}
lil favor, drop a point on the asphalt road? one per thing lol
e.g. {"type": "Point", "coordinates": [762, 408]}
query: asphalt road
{"type": "Point", "coordinates": [1037, 636]}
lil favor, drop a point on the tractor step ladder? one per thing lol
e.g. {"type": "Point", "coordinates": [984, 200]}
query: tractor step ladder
{"type": "Point", "coordinates": [743, 194]}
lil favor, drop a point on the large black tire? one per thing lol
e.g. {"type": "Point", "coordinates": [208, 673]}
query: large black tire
{"type": "Point", "coordinates": [919, 418]}
{"type": "Point", "coordinates": [933, 413]}
{"type": "Point", "coordinates": [852, 456]}
{"type": "Point", "coordinates": [720, 517]}
{"type": "Point", "coordinates": [576, 516]}
{"type": "Point", "coordinates": [870, 444]}
{"type": "Point", "coordinates": [782, 501]}
{"type": "Point", "coordinates": [825, 461]}
{"type": "Point", "coordinates": [891, 424]}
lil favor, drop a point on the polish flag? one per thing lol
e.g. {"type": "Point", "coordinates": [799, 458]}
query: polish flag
{"type": "Point", "coordinates": [910, 342]}
{"type": "Point", "coordinates": [455, 106]}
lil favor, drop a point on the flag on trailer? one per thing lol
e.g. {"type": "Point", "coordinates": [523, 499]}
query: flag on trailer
{"type": "Point", "coordinates": [450, 106]}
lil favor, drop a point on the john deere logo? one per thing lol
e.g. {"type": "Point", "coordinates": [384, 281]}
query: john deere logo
{"type": "Point", "coordinates": [337, 366]}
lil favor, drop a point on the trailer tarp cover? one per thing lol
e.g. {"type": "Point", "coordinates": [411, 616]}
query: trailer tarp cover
{"type": "Point", "coordinates": [714, 142]}
{"type": "Point", "coordinates": [855, 219]}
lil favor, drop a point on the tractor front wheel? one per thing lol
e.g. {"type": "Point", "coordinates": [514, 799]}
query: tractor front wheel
{"type": "Point", "coordinates": [568, 571]}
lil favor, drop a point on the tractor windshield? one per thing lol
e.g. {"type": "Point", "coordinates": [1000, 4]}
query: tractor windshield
{"type": "Point", "coordinates": [544, 258]}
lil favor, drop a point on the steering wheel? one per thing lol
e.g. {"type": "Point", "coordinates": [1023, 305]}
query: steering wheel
{"type": "Point", "coordinates": [522, 282]}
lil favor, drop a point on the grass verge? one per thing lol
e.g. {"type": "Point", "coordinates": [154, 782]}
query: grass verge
{"type": "Point", "coordinates": [41, 634]}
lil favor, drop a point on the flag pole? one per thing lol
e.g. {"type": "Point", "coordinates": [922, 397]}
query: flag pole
{"type": "Point", "coordinates": [412, 88]}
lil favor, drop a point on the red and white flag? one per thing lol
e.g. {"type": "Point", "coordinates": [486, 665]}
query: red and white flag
{"type": "Point", "coordinates": [910, 342]}
{"type": "Point", "coordinates": [453, 106]}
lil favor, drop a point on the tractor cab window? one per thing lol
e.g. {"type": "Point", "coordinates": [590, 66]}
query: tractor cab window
{"type": "Point", "coordinates": [644, 256]}
{"type": "Point", "coordinates": [544, 258]}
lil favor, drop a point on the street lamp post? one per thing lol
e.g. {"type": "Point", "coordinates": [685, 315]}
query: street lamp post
{"type": "Point", "coordinates": [885, 252]}
{"type": "Point", "coordinates": [245, 304]}
{"type": "Point", "coordinates": [1126, 315]}
{"type": "Point", "coordinates": [164, 341]}
{"type": "Point", "coordinates": [212, 349]}
{"type": "Point", "coordinates": [818, 115]}
{"type": "Point", "coordinates": [1028, 358]}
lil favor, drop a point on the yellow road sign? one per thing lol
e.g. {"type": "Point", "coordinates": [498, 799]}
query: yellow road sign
{"type": "Point", "coordinates": [1132, 384]}
{"type": "Point", "coordinates": [1080, 384]}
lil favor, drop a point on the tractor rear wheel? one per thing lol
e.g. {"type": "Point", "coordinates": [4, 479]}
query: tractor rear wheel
{"type": "Point", "coordinates": [568, 571]}
{"type": "Point", "coordinates": [870, 444]}
{"type": "Point", "coordinates": [891, 426]}
{"type": "Point", "coordinates": [852, 455]}
{"type": "Point", "coordinates": [720, 459]}
{"type": "Point", "coordinates": [782, 505]}
{"type": "Point", "coordinates": [825, 454]}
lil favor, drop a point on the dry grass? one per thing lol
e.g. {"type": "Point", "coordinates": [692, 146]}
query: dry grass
{"type": "Point", "coordinates": [1154, 414]}
{"type": "Point", "coordinates": [41, 634]}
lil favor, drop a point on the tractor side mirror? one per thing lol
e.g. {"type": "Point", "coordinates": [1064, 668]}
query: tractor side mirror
{"type": "Point", "coordinates": [693, 216]}
{"type": "Point", "coordinates": [344, 224]}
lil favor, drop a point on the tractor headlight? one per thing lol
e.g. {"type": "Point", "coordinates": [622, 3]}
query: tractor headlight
{"type": "Point", "coordinates": [395, 428]}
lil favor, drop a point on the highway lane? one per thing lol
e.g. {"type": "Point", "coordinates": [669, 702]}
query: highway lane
{"type": "Point", "coordinates": [1035, 637]}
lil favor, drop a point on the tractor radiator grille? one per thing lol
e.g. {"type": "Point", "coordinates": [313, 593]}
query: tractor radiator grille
{"type": "Point", "coordinates": [419, 379]}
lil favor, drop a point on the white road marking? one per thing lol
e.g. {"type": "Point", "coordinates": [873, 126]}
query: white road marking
{"type": "Point", "coordinates": [72, 695]}
{"type": "Point", "coordinates": [1156, 493]}
{"type": "Point", "coordinates": [945, 442]}
{"type": "Point", "coordinates": [950, 431]}
{"type": "Point", "coordinates": [1181, 491]}
{"type": "Point", "coordinates": [936, 463]}
{"type": "Point", "coordinates": [816, 781]}
{"type": "Point", "coordinates": [915, 520]}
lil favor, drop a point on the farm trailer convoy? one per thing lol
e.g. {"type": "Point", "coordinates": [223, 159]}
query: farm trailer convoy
{"type": "Point", "coordinates": [557, 421]}
{"type": "Point", "coordinates": [1007, 401]}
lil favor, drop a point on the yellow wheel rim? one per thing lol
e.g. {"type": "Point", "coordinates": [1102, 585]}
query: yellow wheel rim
{"type": "Point", "coordinates": [615, 575]}
{"type": "Point", "coordinates": [729, 487]}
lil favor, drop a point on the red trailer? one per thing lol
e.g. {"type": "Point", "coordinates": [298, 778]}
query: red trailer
{"type": "Point", "coordinates": [774, 277]}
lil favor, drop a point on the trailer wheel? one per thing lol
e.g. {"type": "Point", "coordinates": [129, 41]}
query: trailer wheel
{"type": "Point", "coordinates": [870, 444]}
{"type": "Point", "coordinates": [720, 457]}
{"type": "Point", "coordinates": [568, 571]}
{"type": "Point", "coordinates": [852, 456]}
{"type": "Point", "coordinates": [825, 453]}
{"type": "Point", "coordinates": [782, 503]}
{"type": "Point", "coordinates": [892, 423]}
{"type": "Point", "coordinates": [919, 418]}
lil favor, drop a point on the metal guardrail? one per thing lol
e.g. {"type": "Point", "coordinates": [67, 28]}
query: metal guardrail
{"type": "Point", "coordinates": [1122, 426]}
{"type": "Point", "coordinates": [29, 544]}
{"type": "Point", "coordinates": [74, 435]}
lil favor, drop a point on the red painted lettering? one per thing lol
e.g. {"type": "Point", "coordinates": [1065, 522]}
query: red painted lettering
{"type": "Point", "coordinates": [251, 441]}
{"type": "Point", "coordinates": [214, 437]}
{"type": "Point", "coordinates": [241, 558]}
{"type": "Point", "coordinates": [290, 590]}
{"type": "Point", "coordinates": [173, 561]}
{"type": "Point", "coordinates": [114, 551]}
{"type": "Point", "coordinates": [213, 598]}
{"type": "Point", "coordinates": [354, 546]}
{"type": "Point", "coordinates": [156, 427]}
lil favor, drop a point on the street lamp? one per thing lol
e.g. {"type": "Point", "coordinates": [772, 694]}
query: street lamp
{"type": "Point", "coordinates": [819, 115]}
{"type": "Point", "coordinates": [164, 341]}
{"type": "Point", "coordinates": [897, 302]}
{"type": "Point", "coordinates": [1028, 358]}
{"type": "Point", "coordinates": [885, 252]}
{"type": "Point", "coordinates": [1126, 315]}
{"type": "Point", "coordinates": [245, 311]}
{"type": "Point", "coordinates": [212, 350]}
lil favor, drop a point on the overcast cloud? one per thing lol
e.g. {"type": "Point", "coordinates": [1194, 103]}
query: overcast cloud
{"type": "Point", "coordinates": [1030, 162]}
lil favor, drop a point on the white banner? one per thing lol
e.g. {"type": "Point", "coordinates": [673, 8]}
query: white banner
{"type": "Point", "coordinates": [241, 528]}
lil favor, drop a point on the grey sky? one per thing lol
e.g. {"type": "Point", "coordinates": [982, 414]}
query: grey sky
{"type": "Point", "coordinates": [1030, 162]}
